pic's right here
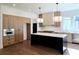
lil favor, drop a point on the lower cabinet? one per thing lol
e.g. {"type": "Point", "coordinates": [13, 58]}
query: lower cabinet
{"type": "Point", "coordinates": [5, 41]}
{"type": "Point", "coordinates": [8, 40]}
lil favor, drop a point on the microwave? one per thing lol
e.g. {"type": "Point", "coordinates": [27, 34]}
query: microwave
{"type": "Point", "coordinates": [8, 32]}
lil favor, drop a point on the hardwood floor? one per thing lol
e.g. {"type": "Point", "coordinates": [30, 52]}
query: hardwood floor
{"type": "Point", "coordinates": [25, 48]}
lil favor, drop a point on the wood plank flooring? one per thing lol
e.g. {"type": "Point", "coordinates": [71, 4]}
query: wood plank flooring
{"type": "Point", "coordinates": [25, 48]}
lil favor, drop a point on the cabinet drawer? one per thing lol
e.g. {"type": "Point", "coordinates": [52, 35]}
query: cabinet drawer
{"type": "Point", "coordinates": [12, 41]}
{"type": "Point", "coordinates": [5, 42]}
{"type": "Point", "coordinates": [8, 40]}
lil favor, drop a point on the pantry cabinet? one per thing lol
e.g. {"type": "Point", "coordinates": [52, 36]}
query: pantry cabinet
{"type": "Point", "coordinates": [16, 23]}
{"type": "Point", "coordinates": [18, 29]}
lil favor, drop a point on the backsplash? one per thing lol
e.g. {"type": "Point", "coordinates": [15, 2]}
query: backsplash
{"type": "Point", "coordinates": [49, 28]}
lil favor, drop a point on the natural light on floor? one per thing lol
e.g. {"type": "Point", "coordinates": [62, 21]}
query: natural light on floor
{"type": "Point", "coordinates": [73, 51]}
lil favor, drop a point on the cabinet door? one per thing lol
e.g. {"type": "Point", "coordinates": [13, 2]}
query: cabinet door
{"type": "Point", "coordinates": [12, 39]}
{"type": "Point", "coordinates": [18, 30]}
{"type": "Point", "coordinates": [6, 41]}
{"type": "Point", "coordinates": [5, 21]}
{"type": "Point", "coordinates": [11, 21]}
{"type": "Point", "coordinates": [48, 19]}
{"type": "Point", "coordinates": [8, 21]}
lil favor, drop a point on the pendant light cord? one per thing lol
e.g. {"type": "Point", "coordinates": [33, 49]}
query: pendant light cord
{"type": "Point", "coordinates": [57, 6]}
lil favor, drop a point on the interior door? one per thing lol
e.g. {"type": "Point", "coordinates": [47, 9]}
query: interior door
{"type": "Point", "coordinates": [28, 31]}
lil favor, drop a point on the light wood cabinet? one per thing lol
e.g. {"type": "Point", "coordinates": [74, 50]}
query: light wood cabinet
{"type": "Point", "coordinates": [11, 21]}
{"type": "Point", "coordinates": [5, 41]}
{"type": "Point", "coordinates": [26, 20]}
{"type": "Point", "coordinates": [8, 40]}
{"type": "Point", "coordinates": [12, 40]}
{"type": "Point", "coordinates": [18, 29]}
{"type": "Point", "coordinates": [5, 21]}
{"type": "Point", "coordinates": [16, 23]}
{"type": "Point", "coordinates": [48, 19]}
{"type": "Point", "coordinates": [52, 18]}
{"type": "Point", "coordinates": [8, 21]}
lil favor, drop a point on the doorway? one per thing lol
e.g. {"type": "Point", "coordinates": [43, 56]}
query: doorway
{"type": "Point", "coordinates": [28, 30]}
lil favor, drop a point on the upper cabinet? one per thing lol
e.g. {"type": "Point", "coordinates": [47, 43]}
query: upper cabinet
{"type": "Point", "coordinates": [52, 18]}
{"type": "Point", "coordinates": [48, 19]}
{"type": "Point", "coordinates": [6, 21]}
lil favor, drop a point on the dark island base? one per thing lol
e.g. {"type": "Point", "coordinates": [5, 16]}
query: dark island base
{"type": "Point", "coordinates": [51, 42]}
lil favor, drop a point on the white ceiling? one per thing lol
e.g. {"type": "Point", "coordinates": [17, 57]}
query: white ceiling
{"type": "Point", "coordinates": [45, 7]}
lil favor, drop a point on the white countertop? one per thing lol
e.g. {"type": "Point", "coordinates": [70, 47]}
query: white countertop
{"type": "Point", "coordinates": [51, 34]}
{"type": "Point", "coordinates": [72, 32]}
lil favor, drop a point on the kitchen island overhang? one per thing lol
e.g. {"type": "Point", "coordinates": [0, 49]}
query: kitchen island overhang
{"type": "Point", "coordinates": [52, 40]}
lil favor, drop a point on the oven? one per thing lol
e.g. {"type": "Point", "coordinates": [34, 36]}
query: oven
{"type": "Point", "coordinates": [8, 32]}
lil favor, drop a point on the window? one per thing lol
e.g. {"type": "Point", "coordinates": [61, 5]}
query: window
{"type": "Point", "coordinates": [66, 24]}
{"type": "Point", "coordinates": [70, 24]}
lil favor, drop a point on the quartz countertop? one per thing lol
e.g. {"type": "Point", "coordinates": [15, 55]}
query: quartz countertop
{"type": "Point", "coordinates": [51, 34]}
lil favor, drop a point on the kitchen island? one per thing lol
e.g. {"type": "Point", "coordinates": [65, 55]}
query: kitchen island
{"type": "Point", "coordinates": [51, 40]}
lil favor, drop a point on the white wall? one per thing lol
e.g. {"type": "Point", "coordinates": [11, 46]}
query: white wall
{"type": "Point", "coordinates": [17, 12]}
{"type": "Point", "coordinates": [13, 11]}
{"type": "Point", "coordinates": [71, 13]}
{"type": "Point", "coordinates": [1, 41]}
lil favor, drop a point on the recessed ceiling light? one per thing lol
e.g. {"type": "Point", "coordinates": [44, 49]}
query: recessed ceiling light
{"type": "Point", "coordinates": [14, 5]}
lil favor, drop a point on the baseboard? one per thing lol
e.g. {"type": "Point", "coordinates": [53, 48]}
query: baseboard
{"type": "Point", "coordinates": [75, 43]}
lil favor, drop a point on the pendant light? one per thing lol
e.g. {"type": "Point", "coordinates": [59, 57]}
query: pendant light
{"type": "Point", "coordinates": [40, 18]}
{"type": "Point", "coordinates": [57, 14]}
